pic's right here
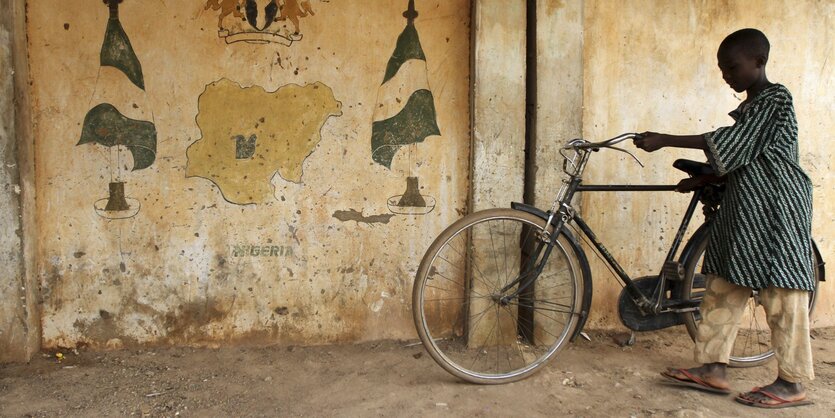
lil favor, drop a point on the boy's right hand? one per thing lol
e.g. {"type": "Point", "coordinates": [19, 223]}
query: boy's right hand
{"type": "Point", "coordinates": [650, 141]}
{"type": "Point", "coordinates": [692, 183]}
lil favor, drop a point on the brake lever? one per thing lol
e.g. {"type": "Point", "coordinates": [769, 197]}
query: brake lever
{"type": "Point", "coordinates": [630, 154]}
{"type": "Point", "coordinates": [568, 161]}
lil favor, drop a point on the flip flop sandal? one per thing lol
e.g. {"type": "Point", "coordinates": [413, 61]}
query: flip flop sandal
{"type": "Point", "coordinates": [694, 382]}
{"type": "Point", "coordinates": [780, 402]}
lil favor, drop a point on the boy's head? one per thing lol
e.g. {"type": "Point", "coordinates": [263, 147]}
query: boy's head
{"type": "Point", "coordinates": [742, 58]}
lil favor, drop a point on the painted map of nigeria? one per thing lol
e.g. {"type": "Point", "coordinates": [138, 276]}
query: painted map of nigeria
{"type": "Point", "coordinates": [250, 134]}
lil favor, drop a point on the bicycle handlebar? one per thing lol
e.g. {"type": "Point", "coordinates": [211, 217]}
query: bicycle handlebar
{"type": "Point", "coordinates": [583, 144]}
{"type": "Point", "coordinates": [578, 144]}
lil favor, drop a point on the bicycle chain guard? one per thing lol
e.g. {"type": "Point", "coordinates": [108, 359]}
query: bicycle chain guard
{"type": "Point", "coordinates": [631, 315]}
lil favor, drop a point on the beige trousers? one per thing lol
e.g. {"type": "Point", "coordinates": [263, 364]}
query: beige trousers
{"type": "Point", "coordinates": [787, 315]}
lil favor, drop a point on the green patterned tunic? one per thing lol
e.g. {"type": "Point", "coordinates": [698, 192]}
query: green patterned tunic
{"type": "Point", "coordinates": [761, 236]}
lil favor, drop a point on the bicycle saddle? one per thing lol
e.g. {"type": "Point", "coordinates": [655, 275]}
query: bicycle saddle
{"type": "Point", "coordinates": [693, 168]}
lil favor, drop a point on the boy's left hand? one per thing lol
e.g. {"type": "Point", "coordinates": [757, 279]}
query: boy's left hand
{"type": "Point", "coordinates": [649, 141]}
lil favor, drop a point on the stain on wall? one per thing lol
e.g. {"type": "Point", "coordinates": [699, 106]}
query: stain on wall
{"type": "Point", "coordinates": [356, 216]}
{"type": "Point", "coordinates": [19, 329]}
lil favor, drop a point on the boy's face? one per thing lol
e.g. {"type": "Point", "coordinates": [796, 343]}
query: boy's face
{"type": "Point", "coordinates": [739, 70]}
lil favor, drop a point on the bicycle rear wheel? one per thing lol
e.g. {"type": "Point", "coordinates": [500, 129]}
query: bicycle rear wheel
{"type": "Point", "coordinates": [752, 346]}
{"type": "Point", "coordinates": [480, 310]}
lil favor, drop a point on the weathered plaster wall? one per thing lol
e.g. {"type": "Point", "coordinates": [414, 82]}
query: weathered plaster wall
{"type": "Point", "coordinates": [19, 327]}
{"type": "Point", "coordinates": [333, 263]}
{"type": "Point", "coordinates": [339, 264]}
{"type": "Point", "coordinates": [650, 65]}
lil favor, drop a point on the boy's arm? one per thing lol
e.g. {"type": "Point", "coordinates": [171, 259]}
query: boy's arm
{"type": "Point", "coordinates": [652, 141]}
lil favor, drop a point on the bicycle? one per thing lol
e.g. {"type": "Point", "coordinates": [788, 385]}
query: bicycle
{"type": "Point", "coordinates": [501, 291]}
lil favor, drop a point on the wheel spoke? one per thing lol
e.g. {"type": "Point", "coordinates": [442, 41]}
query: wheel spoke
{"type": "Point", "coordinates": [453, 282]}
{"type": "Point", "coordinates": [479, 278]}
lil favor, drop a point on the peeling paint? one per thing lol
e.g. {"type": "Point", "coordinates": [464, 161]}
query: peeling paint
{"type": "Point", "coordinates": [357, 216]}
{"type": "Point", "coordinates": [377, 305]}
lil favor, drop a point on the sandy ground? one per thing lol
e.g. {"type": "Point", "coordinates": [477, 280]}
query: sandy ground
{"type": "Point", "coordinates": [388, 378]}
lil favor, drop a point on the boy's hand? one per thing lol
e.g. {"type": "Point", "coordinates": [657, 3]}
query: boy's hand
{"type": "Point", "coordinates": [649, 141]}
{"type": "Point", "coordinates": [691, 183]}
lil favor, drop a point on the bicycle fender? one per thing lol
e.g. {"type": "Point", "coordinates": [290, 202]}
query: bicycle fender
{"type": "Point", "coordinates": [581, 255]}
{"type": "Point", "coordinates": [695, 239]}
{"type": "Point", "coordinates": [822, 266]}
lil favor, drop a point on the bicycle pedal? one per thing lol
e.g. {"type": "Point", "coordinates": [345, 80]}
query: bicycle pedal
{"type": "Point", "coordinates": [673, 270]}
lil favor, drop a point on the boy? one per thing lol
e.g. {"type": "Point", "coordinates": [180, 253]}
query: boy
{"type": "Point", "coordinates": [761, 236]}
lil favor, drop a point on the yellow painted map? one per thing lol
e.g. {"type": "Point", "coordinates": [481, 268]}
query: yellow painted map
{"type": "Point", "coordinates": [250, 134]}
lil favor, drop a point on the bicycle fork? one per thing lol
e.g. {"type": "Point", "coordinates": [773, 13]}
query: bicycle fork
{"type": "Point", "coordinates": [544, 240]}
{"type": "Point", "coordinates": [534, 257]}
{"type": "Point", "coordinates": [530, 271]}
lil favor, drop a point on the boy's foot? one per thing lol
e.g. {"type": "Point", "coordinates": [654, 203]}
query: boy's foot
{"type": "Point", "coordinates": [709, 378]}
{"type": "Point", "coordinates": [780, 394]}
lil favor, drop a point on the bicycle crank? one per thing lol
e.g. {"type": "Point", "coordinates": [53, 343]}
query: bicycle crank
{"type": "Point", "coordinates": [634, 319]}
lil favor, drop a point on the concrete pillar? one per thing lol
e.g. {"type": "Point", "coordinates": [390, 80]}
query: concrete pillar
{"type": "Point", "coordinates": [498, 147]}
{"type": "Point", "coordinates": [498, 144]}
{"type": "Point", "coordinates": [559, 98]}
{"type": "Point", "coordinates": [499, 97]}
{"type": "Point", "coordinates": [19, 322]}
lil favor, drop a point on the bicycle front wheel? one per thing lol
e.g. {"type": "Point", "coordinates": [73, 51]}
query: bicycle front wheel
{"type": "Point", "coordinates": [752, 346]}
{"type": "Point", "coordinates": [480, 308]}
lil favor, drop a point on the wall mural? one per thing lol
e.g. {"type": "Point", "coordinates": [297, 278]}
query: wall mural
{"type": "Point", "coordinates": [260, 21]}
{"type": "Point", "coordinates": [405, 114]}
{"type": "Point", "coordinates": [250, 134]}
{"type": "Point", "coordinates": [106, 125]}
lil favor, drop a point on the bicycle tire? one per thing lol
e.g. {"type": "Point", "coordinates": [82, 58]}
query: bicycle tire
{"type": "Point", "coordinates": [459, 315]}
{"type": "Point", "coordinates": [756, 336]}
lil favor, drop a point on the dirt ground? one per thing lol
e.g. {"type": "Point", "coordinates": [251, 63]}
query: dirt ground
{"type": "Point", "coordinates": [388, 378]}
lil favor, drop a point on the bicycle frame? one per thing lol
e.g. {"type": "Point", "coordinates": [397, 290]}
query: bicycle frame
{"type": "Point", "coordinates": [574, 166]}
{"type": "Point", "coordinates": [655, 306]}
